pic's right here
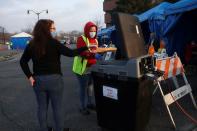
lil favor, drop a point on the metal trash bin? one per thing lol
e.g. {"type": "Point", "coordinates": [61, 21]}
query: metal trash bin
{"type": "Point", "coordinates": [122, 95]}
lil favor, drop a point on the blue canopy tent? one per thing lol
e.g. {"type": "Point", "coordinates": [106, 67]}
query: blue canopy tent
{"type": "Point", "coordinates": [156, 11]}
{"type": "Point", "coordinates": [19, 41]}
{"type": "Point", "coordinates": [106, 35]}
{"type": "Point", "coordinates": [106, 31]}
{"type": "Point", "coordinates": [181, 6]}
{"type": "Point", "coordinates": [176, 26]}
{"type": "Point", "coordinates": [159, 9]}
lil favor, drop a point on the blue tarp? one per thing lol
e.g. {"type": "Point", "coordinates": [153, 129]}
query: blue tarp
{"type": "Point", "coordinates": [106, 35]}
{"type": "Point", "coordinates": [159, 10]}
{"type": "Point", "coordinates": [177, 26]}
{"type": "Point", "coordinates": [181, 6]}
{"type": "Point", "coordinates": [106, 31]}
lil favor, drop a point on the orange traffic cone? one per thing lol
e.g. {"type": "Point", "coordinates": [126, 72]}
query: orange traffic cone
{"type": "Point", "coordinates": [151, 49]}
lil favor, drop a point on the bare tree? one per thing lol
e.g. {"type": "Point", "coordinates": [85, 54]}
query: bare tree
{"type": "Point", "coordinates": [73, 36]}
{"type": "Point", "coordinates": [28, 29]}
{"type": "Point", "coordinates": [98, 22]}
{"type": "Point", "coordinates": [137, 6]}
{"type": "Point", "coordinates": [69, 37]}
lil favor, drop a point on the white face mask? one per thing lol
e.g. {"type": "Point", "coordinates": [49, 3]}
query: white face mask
{"type": "Point", "coordinates": [54, 34]}
{"type": "Point", "coordinates": [92, 34]}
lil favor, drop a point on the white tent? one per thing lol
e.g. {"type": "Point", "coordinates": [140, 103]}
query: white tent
{"type": "Point", "coordinates": [22, 34]}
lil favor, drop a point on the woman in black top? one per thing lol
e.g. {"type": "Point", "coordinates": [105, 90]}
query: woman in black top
{"type": "Point", "coordinates": [46, 79]}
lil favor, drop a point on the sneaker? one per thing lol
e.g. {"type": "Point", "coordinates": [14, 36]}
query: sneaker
{"type": "Point", "coordinates": [84, 112]}
{"type": "Point", "coordinates": [91, 106]}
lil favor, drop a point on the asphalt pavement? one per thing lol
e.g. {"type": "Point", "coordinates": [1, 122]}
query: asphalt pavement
{"type": "Point", "coordinates": [18, 103]}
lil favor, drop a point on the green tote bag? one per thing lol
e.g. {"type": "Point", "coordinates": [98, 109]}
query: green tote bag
{"type": "Point", "coordinates": [79, 65]}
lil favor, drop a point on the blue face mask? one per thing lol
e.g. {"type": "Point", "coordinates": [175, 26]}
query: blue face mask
{"type": "Point", "coordinates": [54, 34]}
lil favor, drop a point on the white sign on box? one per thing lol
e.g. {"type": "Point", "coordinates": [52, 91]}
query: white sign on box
{"type": "Point", "coordinates": [110, 92]}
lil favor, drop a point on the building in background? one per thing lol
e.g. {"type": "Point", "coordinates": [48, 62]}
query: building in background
{"type": "Point", "coordinates": [110, 5]}
{"type": "Point", "coordinates": [108, 8]}
{"type": "Point", "coordinates": [69, 37]}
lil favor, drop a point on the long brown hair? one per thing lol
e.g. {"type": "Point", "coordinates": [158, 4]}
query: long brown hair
{"type": "Point", "coordinates": [41, 36]}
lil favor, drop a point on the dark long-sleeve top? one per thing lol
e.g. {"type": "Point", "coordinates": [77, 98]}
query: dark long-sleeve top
{"type": "Point", "coordinates": [50, 62]}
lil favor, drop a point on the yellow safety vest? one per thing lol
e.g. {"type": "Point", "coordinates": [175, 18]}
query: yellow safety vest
{"type": "Point", "coordinates": [80, 63]}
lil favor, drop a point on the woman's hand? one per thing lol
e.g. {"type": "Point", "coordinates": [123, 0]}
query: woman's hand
{"type": "Point", "coordinates": [93, 51]}
{"type": "Point", "coordinates": [92, 48]}
{"type": "Point", "coordinates": [32, 81]}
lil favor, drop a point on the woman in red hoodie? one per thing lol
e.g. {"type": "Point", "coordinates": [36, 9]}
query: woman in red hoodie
{"type": "Point", "coordinates": [85, 80]}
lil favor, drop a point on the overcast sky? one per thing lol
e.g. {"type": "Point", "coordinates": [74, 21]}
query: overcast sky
{"type": "Point", "coordinates": [67, 14]}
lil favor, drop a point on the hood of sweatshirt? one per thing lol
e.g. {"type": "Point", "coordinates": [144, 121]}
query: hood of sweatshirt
{"type": "Point", "coordinates": [87, 29]}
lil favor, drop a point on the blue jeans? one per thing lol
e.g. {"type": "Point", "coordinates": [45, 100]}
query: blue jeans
{"type": "Point", "coordinates": [85, 92]}
{"type": "Point", "coordinates": [49, 87]}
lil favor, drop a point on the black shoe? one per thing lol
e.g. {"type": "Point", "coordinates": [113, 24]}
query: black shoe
{"type": "Point", "coordinates": [91, 107]}
{"type": "Point", "coordinates": [84, 111]}
{"type": "Point", "coordinates": [66, 129]}
{"type": "Point", "coordinates": [50, 129]}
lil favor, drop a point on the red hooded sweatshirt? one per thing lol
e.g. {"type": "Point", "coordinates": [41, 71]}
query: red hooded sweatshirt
{"type": "Point", "coordinates": [81, 43]}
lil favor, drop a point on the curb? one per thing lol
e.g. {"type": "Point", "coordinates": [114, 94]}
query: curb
{"type": "Point", "coordinates": [9, 56]}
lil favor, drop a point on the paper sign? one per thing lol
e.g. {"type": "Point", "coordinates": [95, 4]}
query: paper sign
{"type": "Point", "coordinates": [110, 92]}
{"type": "Point", "coordinates": [108, 55]}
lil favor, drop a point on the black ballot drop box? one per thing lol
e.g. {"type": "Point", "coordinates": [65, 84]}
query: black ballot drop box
{"type": "Point", "coordinates": [122, 92]}
{"type": "Point", "coordinates": [122, 95]}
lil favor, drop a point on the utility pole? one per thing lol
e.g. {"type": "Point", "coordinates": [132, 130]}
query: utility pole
{"type": "Point", "coordinates": [2, 34]}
